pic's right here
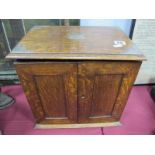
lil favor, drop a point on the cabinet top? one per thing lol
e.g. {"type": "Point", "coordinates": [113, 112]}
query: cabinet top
{"type": "Point", "coordinates": [75, 43]}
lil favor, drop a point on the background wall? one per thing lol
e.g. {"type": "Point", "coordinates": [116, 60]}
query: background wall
{"type": "Point", "coordinates": [124, 24]}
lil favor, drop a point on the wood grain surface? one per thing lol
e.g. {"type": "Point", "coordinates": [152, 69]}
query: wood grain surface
{"type": "Point", "coordinates": [103, 89]}
{"type": "Point", "coordinates": [51, 90]}
{"type": "Point", "coordinates": [77, 92]}
{"type": "Point", "coordinates": [78, 75]}
{"type": "Point", "coordinates": [75, 42]}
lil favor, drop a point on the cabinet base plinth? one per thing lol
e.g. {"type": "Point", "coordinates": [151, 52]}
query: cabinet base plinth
{"type": "Point", "coordinates": [50, 126]}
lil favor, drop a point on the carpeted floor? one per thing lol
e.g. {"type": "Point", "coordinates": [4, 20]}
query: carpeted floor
{"type": "Point", "coordinates": [138, 116]}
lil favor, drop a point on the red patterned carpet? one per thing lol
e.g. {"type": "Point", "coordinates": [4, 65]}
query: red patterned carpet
{"type": "Point", "coordinates": [138, 116]}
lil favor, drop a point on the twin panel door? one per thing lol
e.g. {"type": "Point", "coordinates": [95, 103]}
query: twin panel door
{"type": "Point", "coordinates": [80, 92]}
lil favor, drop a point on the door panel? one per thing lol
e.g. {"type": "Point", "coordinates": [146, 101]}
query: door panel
{"type": "Point", "coordinates": [51, 90]}
{"type": "Point", "coordinates": [103, 89]}
{"type": "Point", "coordinates": [104, 94]}
{"type": "Point", "coordinates": [52, 94]}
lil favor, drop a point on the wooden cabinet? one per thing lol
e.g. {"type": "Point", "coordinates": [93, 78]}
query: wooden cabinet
{"type": "Point", "coordinates": [66, 84]}
{"type": "Point", "coordinates": [79, 92]}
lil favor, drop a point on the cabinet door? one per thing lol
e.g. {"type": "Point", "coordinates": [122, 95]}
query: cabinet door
{"type": "Point", "coordinates": [103, 89]}
{"type": "Point", "coordinates": [51, 89]}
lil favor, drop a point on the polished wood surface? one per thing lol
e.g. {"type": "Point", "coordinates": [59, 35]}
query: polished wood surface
{"type": "Point", "coordinates": [77, 92]}
{"type": "Point", "coordinates": [103, 89]}
{"type": "Point", "coordinates": [75, 42]}
{"type": "Point", "coordinates": [76, 76]}
{"type": "Point", "coordinates": [51, 90]}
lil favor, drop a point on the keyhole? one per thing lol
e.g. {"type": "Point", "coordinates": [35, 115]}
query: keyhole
{"type": "Point", "coordinates": [82, 97]}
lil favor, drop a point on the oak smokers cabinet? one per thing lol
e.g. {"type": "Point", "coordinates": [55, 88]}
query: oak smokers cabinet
{"type": "Point", "coordinates": [76, 76]}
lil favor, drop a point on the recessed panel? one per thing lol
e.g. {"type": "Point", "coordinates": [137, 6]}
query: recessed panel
{"type": "Point", "coordinates": [105, 91]}
{"type": "Point", "coordinates": [51, 91]}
